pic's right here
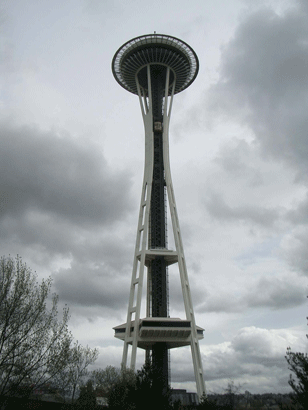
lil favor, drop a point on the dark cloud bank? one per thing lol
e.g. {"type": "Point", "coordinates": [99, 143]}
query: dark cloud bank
{"type": "Point", "coordinates": [60, 199]}
{"type": "Point", "coordinates": [263, 84]}
{"type": "Point", "coordinates": [54, 174]}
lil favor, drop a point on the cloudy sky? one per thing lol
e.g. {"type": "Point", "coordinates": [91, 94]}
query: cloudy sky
{"type": "Point", "coordinates": [71, 164]}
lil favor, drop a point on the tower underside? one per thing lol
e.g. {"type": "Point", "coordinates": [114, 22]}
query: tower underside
{"type": "Point", "coordinates": [156, 67]}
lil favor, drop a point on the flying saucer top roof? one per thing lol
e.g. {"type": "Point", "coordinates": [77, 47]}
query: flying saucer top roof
{"type": "Point", "coordinates": [155, 49]}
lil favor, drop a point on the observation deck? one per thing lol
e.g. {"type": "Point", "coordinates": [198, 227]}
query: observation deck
{"type": "Point", "coordinates": [172, 331]}
{"type": "Point", "coordinates": [132, 58]}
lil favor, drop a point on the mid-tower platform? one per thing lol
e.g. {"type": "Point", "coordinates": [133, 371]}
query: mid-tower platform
{"type": "Point", "coordinates": [174, 332]}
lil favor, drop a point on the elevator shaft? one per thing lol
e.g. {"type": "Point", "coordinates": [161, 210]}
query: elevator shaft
{"type": "Point", "coordinates": [158, 228]}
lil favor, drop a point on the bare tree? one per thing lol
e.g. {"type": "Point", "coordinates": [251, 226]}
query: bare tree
{"type": "Point", "coordinates": [230, 393]}
{"type": "Point", "coordinates": [80, 359]}
{"type": "Point", "coordinates": [105, 379]}
{"type": "Point", "coordinates": [34, 343]}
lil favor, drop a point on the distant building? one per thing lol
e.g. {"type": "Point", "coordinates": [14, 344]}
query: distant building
{"type": "Point", "coordinates": [102, 401]}
{"type": "Point", "coordinates": [101, 397]}
{"type": "Point", "coordinates": [184, 397]}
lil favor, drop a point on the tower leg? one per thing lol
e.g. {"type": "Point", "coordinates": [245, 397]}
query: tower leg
{"type": "Point", "coordinates": [151, 234]}
{"type": "Point", "coordinates": [135, 295]}
{"type": "Point", "coordinates": [194, 343]}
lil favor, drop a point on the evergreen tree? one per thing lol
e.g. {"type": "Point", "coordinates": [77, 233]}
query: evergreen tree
{"type": "Point", "coordinates": [298, 364]}
{"type": "Point", "coordinates": [87, 397]}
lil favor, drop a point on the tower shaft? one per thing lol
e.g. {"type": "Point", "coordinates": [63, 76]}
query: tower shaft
{"type": "Point", "coordinates": [157, 271]}
{"type": "Point", "coordinates": [155, 68]}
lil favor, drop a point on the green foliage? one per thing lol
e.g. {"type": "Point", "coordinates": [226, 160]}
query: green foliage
{"type": "Point", "coordinates": [122, 393]}
{"type": "Point", "coordinates": [298, 364]}
{"type": "Point", "coordinates": [135, 391]}
{"type": "Point", "coordinates": [205, 404]}
{"type": "Point", "coordinates": [149, 384]}
{"type": "Point", "coordinates": [34, 343]}
{"type": "Point", "coordinates": [87, 398]}
{"type": "Point", "coordinates": [105, 379]}
{"type": "Point", "coordinates": [76, 370]}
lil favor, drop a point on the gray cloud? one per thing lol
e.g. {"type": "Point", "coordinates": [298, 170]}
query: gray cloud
{"type": "Point", "coordinates": [252, 354]}
{"type": "Point", "coordinates": [236, 159]}
{"type": "Point", "coordinates": [276, 294]}
{"type": "Point", "coordinates": [60, 203]}
{"type": "Point", "coordinates": [93, 285]}
{"type": "Point", "coordinates": [264, 82]}
{"type": "Point", "coordinates": [299, 215]}
{"type": "Point", "coordinates": [272, 293]}
{"type": "Point", "coordinates": [41, 171]}
{"type": "Point", "coordinates": [218, 303]}
{"type": "Point", "coordinates": [58, 197]}
{"type": "Point", "coordinates": [260, 346]}
{"type": "Point", "coordinates": [294, 249]}
{"type": "Point", "coordinates": [218, 208]}
{"type": "Point", "coordinates": [253, 357]}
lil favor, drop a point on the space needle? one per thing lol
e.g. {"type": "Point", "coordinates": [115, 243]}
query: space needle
{"type": "Point", "coordinates": [156, 67]}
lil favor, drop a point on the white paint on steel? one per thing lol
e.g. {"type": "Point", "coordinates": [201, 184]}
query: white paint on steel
{"type": "Point", "coordinates": [141, 248]}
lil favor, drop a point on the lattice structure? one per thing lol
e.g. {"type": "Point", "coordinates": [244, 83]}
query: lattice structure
{"type": "Point", "coordinates": [155, 67]}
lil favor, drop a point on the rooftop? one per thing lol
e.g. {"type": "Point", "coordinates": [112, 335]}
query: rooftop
{"type": "Point", "coordinates": [155, 49]}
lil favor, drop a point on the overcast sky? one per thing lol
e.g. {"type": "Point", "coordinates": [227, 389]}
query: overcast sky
{"type": "Point", "coordinates": [71, 166]}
